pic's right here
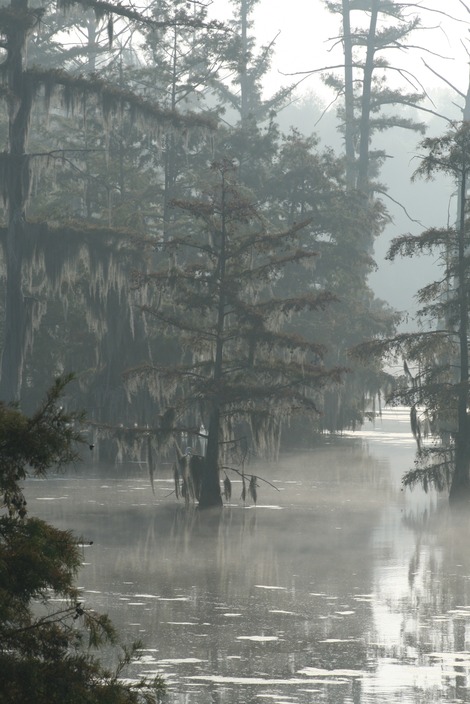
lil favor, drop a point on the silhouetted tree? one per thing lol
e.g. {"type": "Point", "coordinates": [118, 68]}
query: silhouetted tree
{"type": "Point", "coordinates": [251, 136]}
{"type": "Point", "coordinates": [364, 86]}
{"type": "Point", "coordinates": [436, 380]}
{"type": "Point", "coordinates": [21, 85]}
{"type": "Point", "coordinates": [239, 367]}
{"type": "Point", "coordinates": [46, 651]}
{"type": "Point", "coordinates": [181, 61]}
{"type": "Point", "coordinates": [308, 182]}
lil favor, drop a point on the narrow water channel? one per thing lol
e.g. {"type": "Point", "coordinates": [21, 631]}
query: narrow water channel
{"type": "Point", "coordinates": [337, 587]}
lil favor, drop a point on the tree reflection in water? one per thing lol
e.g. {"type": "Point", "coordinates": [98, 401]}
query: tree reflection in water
{"type": "Point", "coordinates": [334, 590]}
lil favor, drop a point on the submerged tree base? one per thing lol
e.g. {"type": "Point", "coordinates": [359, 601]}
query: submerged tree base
{"type": "Point", "coordinates": [459, 494]}
{"type": "Point", "coordinates": [210, 499]}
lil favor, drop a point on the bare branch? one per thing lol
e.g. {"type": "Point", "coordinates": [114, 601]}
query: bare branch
{"type": "Point", "coordinates": [451, 85]}
{"type": "Point", "coordinates": [387, 195]}
{"type": "Point", "coordinates": [241, 474]}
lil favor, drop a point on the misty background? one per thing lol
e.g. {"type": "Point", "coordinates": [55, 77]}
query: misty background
{"type": "Point", "coordinates": [306, 38]}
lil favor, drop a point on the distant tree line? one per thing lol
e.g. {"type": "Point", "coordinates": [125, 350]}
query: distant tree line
{"type": "Point", "coordinates": [119, 132]}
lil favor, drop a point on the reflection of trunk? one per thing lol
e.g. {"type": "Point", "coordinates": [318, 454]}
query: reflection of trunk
{"type": "Point", "coordinates": [460, 488]}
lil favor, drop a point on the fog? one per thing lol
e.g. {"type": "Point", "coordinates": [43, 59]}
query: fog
{"type": "Point", "coordinates": [312, 44]}
{"type": "Point", "coordinates": [174, 238]}
{"type": "Point", "coordinates": [413, 205]}
{"type": "Point", "coordinates": [338, 587]}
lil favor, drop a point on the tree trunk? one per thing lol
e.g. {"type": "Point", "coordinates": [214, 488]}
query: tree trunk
{"type": "Point", "coordinates": [460, 487]}
{"type": "Point", "coordinates": [363, 169]}
{"type": "Point", "coordinates": [15, 321]}
{"type": "Point", "coordinates": [349, 126]}
{"type": "Point", "coordinates": [243, 78]}
{"type": "Point", "coordinates": [210, 496]}
{"type": "Point", "coordinates": [170, 147]}
{"type": "Point", "coordinates": [16, 326]}
{"type": "Point", "coordinates": [210, 486]}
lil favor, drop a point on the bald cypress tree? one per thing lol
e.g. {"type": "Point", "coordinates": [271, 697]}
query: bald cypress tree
{"type": "Point", "coordinates": [252, 135]}
{"type": "Point", "coordinates": [25, 243]}
{"type": "Point", "coordinates": [367, 92]}
{"type": "Point", "coordinates": [240, 373]}
{"type": "Point", "coordinates": [49, 640]}
{"type": "Point", "coordinates": [435, 384]}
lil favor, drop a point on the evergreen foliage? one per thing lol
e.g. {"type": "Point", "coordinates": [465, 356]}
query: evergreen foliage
{"type": "Point", "coordinates": [251, 136]}
{"type": "Point", "coordinates": [365, 85]}
{"type": "Point", "coordinates": [435, 383]}
{"type": "Point", "coordinates": [46, 652]}
{"type": "Point", "coordinates": [309, 183]}
{"type": "Point", "coordinates": [239, 366]}
{"type": "Point", "coordinates": [121, 130]}
{"type": "Point", "coordinates": [22, 85]}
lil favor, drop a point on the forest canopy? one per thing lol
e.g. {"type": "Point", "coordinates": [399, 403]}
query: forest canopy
{"type": "Point", "coordinates": [111, 119]}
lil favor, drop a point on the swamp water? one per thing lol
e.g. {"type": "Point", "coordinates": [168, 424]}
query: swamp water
{"type": "Point", "coordinates": [339, 587]}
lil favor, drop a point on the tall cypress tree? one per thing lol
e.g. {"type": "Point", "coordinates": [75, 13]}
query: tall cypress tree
{"type": "Point", "coordinates": [21, 85]}
{"type": "Point", "coordinates": [364, 83]}
{"type": "Point", "coordinates": [238, 364]}
{"type": "Point", "coordinates": [436, 360]}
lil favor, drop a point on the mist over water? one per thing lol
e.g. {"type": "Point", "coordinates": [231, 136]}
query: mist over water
{"type": "Point", "coordinates": [337, 587]}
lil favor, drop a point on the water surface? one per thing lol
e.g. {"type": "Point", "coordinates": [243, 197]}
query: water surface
{"type": "Point", "coordinates": [337, 587]}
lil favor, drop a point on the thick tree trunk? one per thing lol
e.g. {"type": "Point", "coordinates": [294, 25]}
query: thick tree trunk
{"type": "Point", "coordinates": [363, 166]}
{"type": "Point", "coordinates": [460, 488]}
{"type": "Point", "coordinates": [16, 324]}
{"type": "Point", "coordinates": [15, 321]}
{"type": "Point", "coordinates": [210, 496]}
{"type": "Point", "coordinates": [349, 126]}
{"type": "Point", "coordinates": [210, 486]}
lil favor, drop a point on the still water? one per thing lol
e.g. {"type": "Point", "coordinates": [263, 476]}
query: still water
{"type": "Point", "coordinates": [337, 587]}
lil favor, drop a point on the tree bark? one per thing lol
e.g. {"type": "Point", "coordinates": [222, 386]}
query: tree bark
{"type": "Point", "coordinates": [17, 187]}
{"type": "Point", "coordinates": [15, 320]}
{"type": "Point", "coordinates": [349, 126]}
{"type": "Point", "coordinates": [244, 112]}
{"type": "Point", "coordinates": [210, 496]}
{"type": "Point", "coordinates": [363, 167]}
{"type": "Point", "coordinates": [210, 487]}
{"type": "Point", "coordinates": [460, 486]}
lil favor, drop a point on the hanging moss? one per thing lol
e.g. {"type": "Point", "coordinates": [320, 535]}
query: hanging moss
{"type": "Point", "coordinates": [112, 100]}
{"type": "Point", "coordinates": [14, 20]}
{"type": "Point", "coordinates": [51, 260]}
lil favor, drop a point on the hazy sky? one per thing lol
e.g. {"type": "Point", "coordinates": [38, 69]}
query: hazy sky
{"type": "Point", "coordinates": [305, 40]}
{"type": "Point", "coordinates": [304, 28]}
